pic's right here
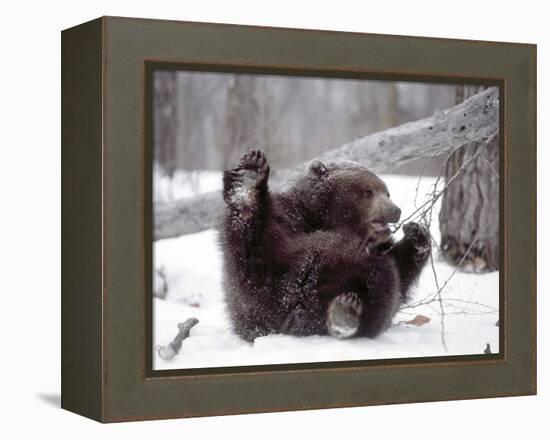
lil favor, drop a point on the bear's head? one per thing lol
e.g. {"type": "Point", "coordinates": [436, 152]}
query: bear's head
{"type": "Point", "coordinates": [346, 195]}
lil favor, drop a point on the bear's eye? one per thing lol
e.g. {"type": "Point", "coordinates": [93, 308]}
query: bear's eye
{"type": "Point", "coordinates": [368, 194]}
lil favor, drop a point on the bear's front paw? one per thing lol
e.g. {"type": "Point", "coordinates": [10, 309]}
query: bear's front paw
{"type": "Point", "coordinates": [343, 315]}
{"type": "Point", "coordinates": [254, 169]}
{"type": "Point", "coordinates": [419, 236]}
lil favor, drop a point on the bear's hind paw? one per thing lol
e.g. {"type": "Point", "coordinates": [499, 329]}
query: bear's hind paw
{"type": "Point", "coordinates": [243, 184]}
{"type": "Point", "coordinates": [254, 169]}
{"type": "Point", "coordinates": [343, 315]}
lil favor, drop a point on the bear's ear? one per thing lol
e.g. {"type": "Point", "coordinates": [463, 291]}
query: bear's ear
{"type": "Point", "coordinates": [318, 168]}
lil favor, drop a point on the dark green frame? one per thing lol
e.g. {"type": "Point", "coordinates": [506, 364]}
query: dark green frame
{"type": "Point", "coordinates": [106, 219]}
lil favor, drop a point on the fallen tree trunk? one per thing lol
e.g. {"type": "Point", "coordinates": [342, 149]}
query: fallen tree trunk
{"type": "Point", "coordinates": [473, 120]}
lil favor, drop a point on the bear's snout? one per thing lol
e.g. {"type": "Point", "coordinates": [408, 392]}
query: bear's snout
{"type": "Point", "coordinates": [386, 211]}
{"type": "Point", "coordinates": [394, 214]}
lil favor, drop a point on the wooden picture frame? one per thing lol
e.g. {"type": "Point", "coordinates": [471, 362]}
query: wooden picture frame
{"type": "Point", "coordinates": [107, 220]}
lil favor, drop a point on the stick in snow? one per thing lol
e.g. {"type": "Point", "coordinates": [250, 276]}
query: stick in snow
{"type": "Point", "coordinates": [167, 352]}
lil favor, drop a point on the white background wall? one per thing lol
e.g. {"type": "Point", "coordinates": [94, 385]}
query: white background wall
{"type": "Point", "coordinates": [30, 218]}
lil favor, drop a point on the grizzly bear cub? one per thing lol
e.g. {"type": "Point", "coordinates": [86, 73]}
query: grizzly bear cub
{"type": "Point", "coordinates": [318, 257]}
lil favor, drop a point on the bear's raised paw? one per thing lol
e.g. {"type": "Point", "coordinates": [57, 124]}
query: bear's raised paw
{"type": "Point", "coordinates": [254, 169]}
{"type": "Point", "coordinates": [242, 183]}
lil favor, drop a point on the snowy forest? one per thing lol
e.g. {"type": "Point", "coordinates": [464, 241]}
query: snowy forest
{"type": "Point", "coordinates": [435, 145]}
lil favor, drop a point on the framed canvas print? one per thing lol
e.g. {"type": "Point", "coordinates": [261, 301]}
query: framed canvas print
{"type": "Point", "coordinates": [263, 219]}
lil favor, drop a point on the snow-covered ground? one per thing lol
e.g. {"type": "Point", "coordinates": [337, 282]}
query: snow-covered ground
{"type": "Point", "coordinates": [192, 268]}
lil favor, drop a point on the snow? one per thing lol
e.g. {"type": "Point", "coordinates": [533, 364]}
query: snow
{"type": "Point", "coordinates": [192, 267]}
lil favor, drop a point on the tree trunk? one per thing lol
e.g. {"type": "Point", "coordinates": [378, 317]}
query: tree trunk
{"type": "Point", "coordinates": [165, 121]}
{"type": "Point", "coordinates": [476, 119]}
{"type": "Point", "coordinates": [469, 216]}
{"type": "Point", "coordinates": [390, 109]}
{"type": "Point", "coordinates": [241, 128]}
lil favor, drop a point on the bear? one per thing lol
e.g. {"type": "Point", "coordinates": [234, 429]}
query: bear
{"type": "Point", "coordinates": [317, 258]}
